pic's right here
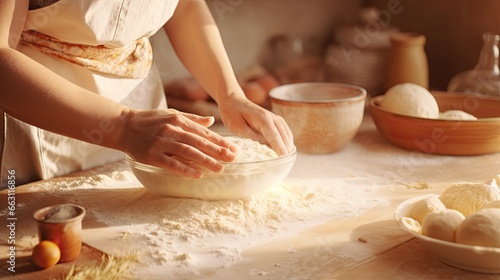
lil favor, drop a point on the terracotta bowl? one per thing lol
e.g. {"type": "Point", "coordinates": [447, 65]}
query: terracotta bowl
{"type": "Point", "coordinates": [323, 117]}
{"type": "Point", "coordinates": [446, 137]}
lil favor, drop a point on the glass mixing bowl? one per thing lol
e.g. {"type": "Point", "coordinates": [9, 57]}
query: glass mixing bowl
{"type": "Point", "coordinates": [237, 180]}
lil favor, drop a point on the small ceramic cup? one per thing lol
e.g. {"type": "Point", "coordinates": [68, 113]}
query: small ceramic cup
{"type": "Point", "coordinates": [323, 117]}
{"type": "Point", "coordinates": [62, 224]}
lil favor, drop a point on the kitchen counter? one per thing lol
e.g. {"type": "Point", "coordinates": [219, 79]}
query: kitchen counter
{"type": "Point", "coordinates": [334, 220]}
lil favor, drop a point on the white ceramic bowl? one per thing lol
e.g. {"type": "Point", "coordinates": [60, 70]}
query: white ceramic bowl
{"type": "Point", "coordinates": [323, 117]}
{"type": "Point", "coordinates": [467, 257]}
{"type": "Point", "coordinates": [238, 180]}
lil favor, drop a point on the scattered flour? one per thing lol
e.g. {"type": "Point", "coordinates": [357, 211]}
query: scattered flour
{"type": "Point", "coordinates": [186, 236]}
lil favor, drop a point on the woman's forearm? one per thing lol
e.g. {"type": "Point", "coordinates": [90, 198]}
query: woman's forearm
{"type": "Point", "coordinates": [164, 138]}
{"type": "Point", "coordinates": [197, 42]}
{"type": "Point", "coordinates": [34, 94]}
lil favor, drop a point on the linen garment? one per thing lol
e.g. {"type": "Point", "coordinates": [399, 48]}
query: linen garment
{"type": "Point", "coordinates": [99, 45]}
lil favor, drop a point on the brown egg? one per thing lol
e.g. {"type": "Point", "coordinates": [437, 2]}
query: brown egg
{"type": "Point", "coordinates": [268, 82]}
{"type": "Point", "coordinates": [194, 91]}
{"type": "Point", "coordinates": [46, 254]}
{"type": "Point", "coordinates": [186, 88]}
{"type": "Point", "coordinates": [255, 92]}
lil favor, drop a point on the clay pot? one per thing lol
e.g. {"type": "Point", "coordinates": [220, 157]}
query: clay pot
{"type": "Point", "coordinates": [62, 224]}
{"type": "Point", "coordinates": [407, 60]}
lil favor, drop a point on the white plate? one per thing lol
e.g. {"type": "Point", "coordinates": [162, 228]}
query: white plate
{"type": "Point", "coordinates": [472, 258]}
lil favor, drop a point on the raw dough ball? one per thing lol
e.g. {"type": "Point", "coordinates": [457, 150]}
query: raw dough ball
{"type": "Point", "coordinates": [495, 182]}
{"type": "Point", "coordinates": [456, 115]}
{"type": "Point", "coordinates": [481, 228]}
{"type": "Point", "coordinates": [442, 224]}
{"type": "Point", "coordinates": [467, 198]}
{"type": "Point", "coordinates": [423, 207]}
{"type": "Point", "coordinates": [411, 224]}
{"type": "Point", "coordinates": [493, 204]}
{"type": "Point", "coordinates": [411, 100]}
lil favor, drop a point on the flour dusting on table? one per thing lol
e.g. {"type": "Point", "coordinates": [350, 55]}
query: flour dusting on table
{"type": "Point", "coordinates": [189, 234]}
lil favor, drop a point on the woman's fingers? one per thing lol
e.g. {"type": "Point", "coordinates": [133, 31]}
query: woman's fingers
{"type": "Point", "coordinates": [203, 149]}
{"type": "Point", "coordinates": [276, 133]}
{"type": "Point", "coordinates": [278, 138]}
{"type": "Point", "coordinates": [178, 142]}
{"type": "Point", "coordinates": [252, 121]}
{"type": "Point", "coordinates": [178, 167]}
{"type": "Point", "coordinates": [207, 134]}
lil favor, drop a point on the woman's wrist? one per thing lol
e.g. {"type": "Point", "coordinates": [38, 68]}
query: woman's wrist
{"type": "Point", "coordinates": [119, 137]}
{"type": "Point", "coordinates": [228, 92]}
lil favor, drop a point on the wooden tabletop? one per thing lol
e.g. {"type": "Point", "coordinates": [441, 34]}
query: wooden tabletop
{"type": "Point", "coordinates": [368, 245]}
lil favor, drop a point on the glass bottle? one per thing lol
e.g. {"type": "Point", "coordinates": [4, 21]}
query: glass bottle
{"type": "Point", "coordinates": [484, 78]}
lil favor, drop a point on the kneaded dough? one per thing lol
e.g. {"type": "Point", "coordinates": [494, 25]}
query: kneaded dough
{"type": "Point", "coordinates": [468, 198]}
{"type": "Point", "coordinates": [442, 224]}
{"type": "Point", "coordinates": [481, 229]}
{"type": "Point", "coordinates": [456, 115]}
{"type": "Point", "coordinates": [411, 224]}
{"type": "Point", "coordinates": [493, 204]}
{"type": "Point", "coordinates": [495, 182]}
{"type": "Point", "coordinates": [423, 207]}
{"type": "Point", "coordinates": [410, 100]}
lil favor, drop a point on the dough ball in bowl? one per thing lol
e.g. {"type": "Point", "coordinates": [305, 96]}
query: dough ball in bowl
{"type": "Point", "coordinates": [442, 224]}
{"type": "Point", "coordinates": [468, 198]}
{"type": "Point", "coordinates": [411, 100]}
{"type": "Point", "coordinates": [425, 206]}
{"type": "Point", "coordinates": [481, 229]}
{"type": "Point", "coordinates": [456, 115]}
{"type": "Point", "coordinates": [495, 182]}
{"type": "Point", "coordinates": [411, 224]}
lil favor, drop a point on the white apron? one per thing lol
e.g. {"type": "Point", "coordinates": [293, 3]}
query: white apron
{"type": "Point", "coordinates": [37, 154]}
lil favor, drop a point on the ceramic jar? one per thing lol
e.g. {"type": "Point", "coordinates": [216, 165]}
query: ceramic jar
{"type": "Point", "coordinates": [295, 58]}
{"type": "Point", "coordinates": [407, 60]}
{"type": "Point", "coordinates": [360, 52]}
{"type": "Point", "coordinates": [62, 224]}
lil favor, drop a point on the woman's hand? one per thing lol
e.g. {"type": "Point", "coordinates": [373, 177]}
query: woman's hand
{"type": "Point", "coordinates": [249, 120]}
{"type": "Point", "coordinates": [204, 55]}
{"type": "Point", "coordinates": [169, 138]}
